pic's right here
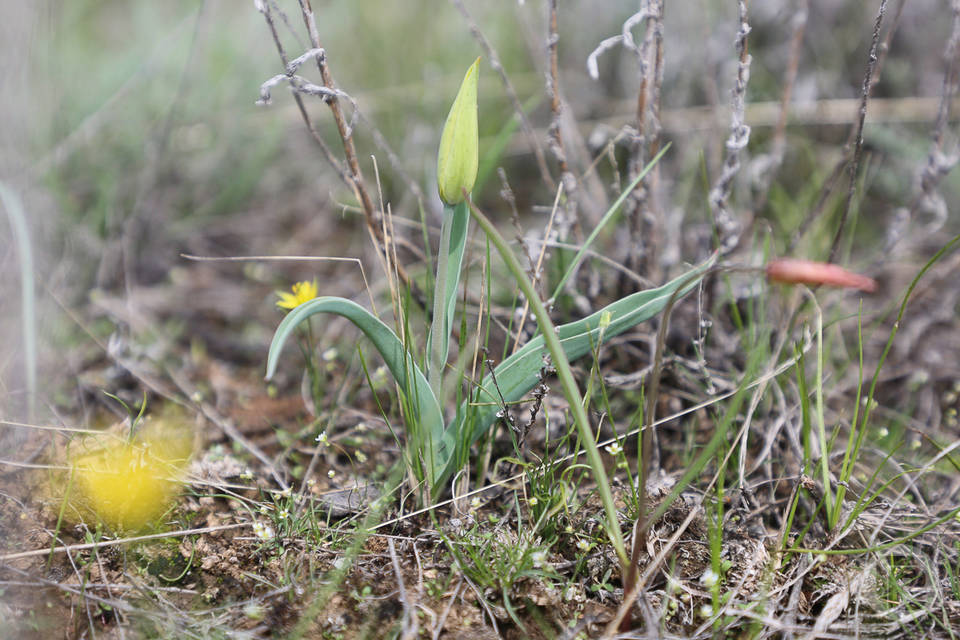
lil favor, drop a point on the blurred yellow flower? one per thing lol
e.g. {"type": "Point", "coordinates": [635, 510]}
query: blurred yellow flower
{"type": "Point", "coordinates": [302, 292]}
{"type": "Point", "coordinates": [128, 484]}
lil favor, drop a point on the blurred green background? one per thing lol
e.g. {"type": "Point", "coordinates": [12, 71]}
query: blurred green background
{"type": "Point", "coordinates": [131, 132]}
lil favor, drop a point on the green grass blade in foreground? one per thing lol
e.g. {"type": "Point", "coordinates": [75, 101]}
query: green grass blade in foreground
{"type": "Point", "coordinates": [435, 447]}
{"type": "Point", "coordinates": [614, 208]}
{"type": "Point", "coordinates": [21, 234]}
{"type": "Point", "coordinates": [520, 373]}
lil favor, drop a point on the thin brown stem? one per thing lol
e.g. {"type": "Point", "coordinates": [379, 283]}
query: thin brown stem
{"type": "Point", "coordinates": [354, 175]}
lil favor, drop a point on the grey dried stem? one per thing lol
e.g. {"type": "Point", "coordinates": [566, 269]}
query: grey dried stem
{"type": "Point", "coordinates": [346, 134]}
{"type": "Point", "coordinates": [854, 167]}
{"type": "Point", "coordinates": [267, 12]}
{"type": "Point", "coordinates": [641, 209]}
{"type": "Point", "coordinates": [939, 161]}
{"type": "Point", "coordinates": [646, 224]}
{"type": "Point", "coordinates": [727, 226]}
{"type": "Point", "coordinates": [568, 219]}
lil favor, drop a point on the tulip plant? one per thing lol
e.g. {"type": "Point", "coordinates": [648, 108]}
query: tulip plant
{"type": "Point", "coordinates": [436, 448]}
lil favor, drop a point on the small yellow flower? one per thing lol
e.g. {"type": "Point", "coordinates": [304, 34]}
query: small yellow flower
{"type": "Point", "coordinates": [302, 292]}
{"type": "Point", "coordinates": [458, 158]}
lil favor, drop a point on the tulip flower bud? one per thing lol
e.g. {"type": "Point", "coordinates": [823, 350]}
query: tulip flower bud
{"type": "Point", "coordinates": [458, 158]}
{"type": "Point", "coordinates": [796, 271]}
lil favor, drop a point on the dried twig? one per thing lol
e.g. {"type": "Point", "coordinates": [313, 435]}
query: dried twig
{"type": "Point", "coordinates": [641, 208]}
{"type": "Point", "coordinates": [332, 159]}
{"type": "Point", "coordinates": [349, 169]}
{"type": "Point", "coordinates": [568, 219]}
{"type": "Point", "coordinates": [346, 134]}
{"type": "Point", "coordinates": [728, 228]}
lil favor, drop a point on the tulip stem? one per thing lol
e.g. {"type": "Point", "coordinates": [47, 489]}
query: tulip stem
{"type": "Point", "coordinates": [439, 331]}
{"type": "Point", "coordinates": [567, 381]}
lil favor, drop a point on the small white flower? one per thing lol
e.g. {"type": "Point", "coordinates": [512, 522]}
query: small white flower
{"type": "Point", "coordinates": [706, 610]}
{"type": "Point", "coordinates": [614, 449]}
{"type": "Point", "coordinates": [286, 492]}
{"type": "Point", "coordinates": [311, 482]}
{"type": "Point", "coordinates": [709, 578]}
{"type": "Point", "coordinates": [533, 501]}
{"type": "Point", "coordinates": [475, 503]}
{"type": "Point", "coordinates": [283, 513]}
{"type": "Point", "coordinates": [361, 457]}
{"type": "Point", "coordinates": [539, 558]}
{"type": "Point", "coordinates": [263, 531]}
{"type": "Point", "coordinates": [322, 439]}
{"type": "Point", "coordinates": [329, 354]}
{"type": "Point", "coordinates": [331, 473]}
{"type": "Point", "coordinates": [583, 545]}
{"type": "Point", "coordinates": [883, 432]}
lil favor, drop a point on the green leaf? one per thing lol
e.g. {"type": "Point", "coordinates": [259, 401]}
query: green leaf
{"type": "Point", "coordinates": [432, 443]}
{"type": "Point", "coordinates": [520, 373]}
{"type": "Point", "coordinates": [456, 219]}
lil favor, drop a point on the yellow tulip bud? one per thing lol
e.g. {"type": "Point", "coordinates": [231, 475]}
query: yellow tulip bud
{"type": "Point", "coordinates": [458, 158]}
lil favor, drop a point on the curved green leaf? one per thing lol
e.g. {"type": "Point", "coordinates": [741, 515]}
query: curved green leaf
{"type": "Point", "coordinates": [520, 373]}
{"type": "Point", "coordinates": [433, 443]}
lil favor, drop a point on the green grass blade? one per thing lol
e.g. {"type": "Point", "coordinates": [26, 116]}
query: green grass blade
{"type": "Point", "coordinates": [435, 445]}
{"type": "Point", "coordinates": [495, 148]}
{"type": "Point", "coordinates": [614, 208]}
{"type": "Point", "coordinates": [21, 234]}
